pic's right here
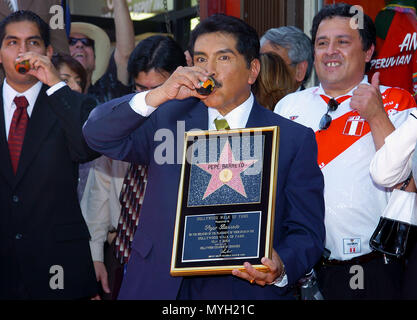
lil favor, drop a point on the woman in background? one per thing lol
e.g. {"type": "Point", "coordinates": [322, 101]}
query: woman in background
{"type": "Point", "coordinates": [70, 71]}
{"type": "Point", "coordinates": [274, 81]}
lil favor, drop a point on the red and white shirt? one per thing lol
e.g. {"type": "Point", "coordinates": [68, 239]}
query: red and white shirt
{"type": "Point", "coordinates": [353, 202]}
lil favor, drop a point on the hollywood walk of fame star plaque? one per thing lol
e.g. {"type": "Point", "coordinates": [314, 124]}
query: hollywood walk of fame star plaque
{"type": "Point", "coordinates": [226, 201]}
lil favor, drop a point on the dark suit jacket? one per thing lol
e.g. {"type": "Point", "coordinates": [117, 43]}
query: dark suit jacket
{"type": "Point", "coordinates": [117, 131]}
{"type": "Point", "coordinates": [40, 218]}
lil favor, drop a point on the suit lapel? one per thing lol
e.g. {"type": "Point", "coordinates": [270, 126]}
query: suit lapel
{"type": "Point", "coordinates": [6, 165]}
{"type": "Point", "coordinates": [198, 117]}
{"type": "Point", "coordinates": [40, 123]}
{"type": "Point", "coordinates": [256, 118]}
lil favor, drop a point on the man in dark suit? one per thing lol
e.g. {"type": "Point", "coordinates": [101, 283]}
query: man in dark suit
{"type": "Point", "coordinates": [226, 49]}
{"type": "Point", "coordinates": [44, 250]}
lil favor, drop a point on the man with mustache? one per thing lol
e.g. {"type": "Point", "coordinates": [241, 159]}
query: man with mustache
{"type": "Point", "coordinates": [226, 49]}
{"type": "Point", "coordinates": [351, 118]}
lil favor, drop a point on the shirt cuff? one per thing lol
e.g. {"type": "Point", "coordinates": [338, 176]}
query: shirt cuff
{"type": "Point", "coordinates": [97, 251]}
{"type": "Point", "coordinates": [55, 88]}
{"type": "Point", "coordinates": [283, 282]}
{"type": "Point", "coordinates": [138, 104]}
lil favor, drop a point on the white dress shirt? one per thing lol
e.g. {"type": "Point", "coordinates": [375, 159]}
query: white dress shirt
{"type": "Point", "coordinates": [9, 106]}
{"type": "Point", "coordinates": [31, 95]}
{"type": "Point", "coordinates": [100, 203]}
{"type": "Point", "coordinates": [237, 118]}
{"type": "Point", "coordinates": [391, 164]}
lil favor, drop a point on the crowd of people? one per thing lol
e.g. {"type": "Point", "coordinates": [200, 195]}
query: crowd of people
{"type": "Point", "coordinates": [81, 192]}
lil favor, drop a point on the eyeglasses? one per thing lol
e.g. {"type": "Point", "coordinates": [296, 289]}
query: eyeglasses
{"type": "Point", "coordinates": [85, 41]}
{"type": "Point", "coordinates": [326, 120]}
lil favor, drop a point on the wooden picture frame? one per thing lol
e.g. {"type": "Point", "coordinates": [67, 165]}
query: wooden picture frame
{"type": "Point", "coordinates": [226, 201]}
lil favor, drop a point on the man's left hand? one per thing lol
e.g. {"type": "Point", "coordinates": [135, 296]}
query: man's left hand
{"type": "Point", "coordinates": [275, 266]}
{"type": "Point", "coordinates": [367, 100]}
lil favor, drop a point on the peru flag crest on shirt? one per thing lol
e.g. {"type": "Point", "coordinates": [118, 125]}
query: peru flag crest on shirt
{"type": "Point", "coordinates": [354, 126]}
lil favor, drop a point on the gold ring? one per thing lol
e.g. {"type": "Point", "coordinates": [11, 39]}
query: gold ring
{"type": "Point", "coordinates": [252, 281]}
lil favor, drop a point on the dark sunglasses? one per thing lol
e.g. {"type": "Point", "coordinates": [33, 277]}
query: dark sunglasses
{"type": "Point", "coordinates": [326, 120]}
{"type": "Point", "coordinates": [85, 41]}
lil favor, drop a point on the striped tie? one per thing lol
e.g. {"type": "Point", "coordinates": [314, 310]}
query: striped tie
{"type": "Point", "coordinates": [17, 130]}
{"type": "Point", "coordinates": [131, 199]}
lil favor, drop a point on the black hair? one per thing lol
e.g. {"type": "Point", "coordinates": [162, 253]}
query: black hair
{"type": "Point", "coordinates": [161, 53]}
{"type": "Point", "coordinates": [25, 15]}
{"type": "Point", "coordinates": [59, 59]}
{"type": "Point", "coordinates": [367, 32]}
{"type": "Point", "coordinates": [246, 37]}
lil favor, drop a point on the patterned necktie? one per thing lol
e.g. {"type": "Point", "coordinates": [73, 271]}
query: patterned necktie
{"type": "Point", "coordinates": [17, 130]}
{"type": "Point", "coordinates": [131, 199]}
{"type": "Point", "coordinates": [221, 124]}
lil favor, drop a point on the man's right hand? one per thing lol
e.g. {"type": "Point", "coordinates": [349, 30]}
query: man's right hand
{"type": "Point", "coordinates": [180, 85]}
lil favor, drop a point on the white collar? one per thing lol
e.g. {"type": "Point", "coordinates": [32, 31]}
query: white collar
{"type": "Point", "coordinates": [31, 95]}
{"type": "Point", "coordinates": [320, 90]}
{"type": "Point", "coordinates": [237, 118]}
